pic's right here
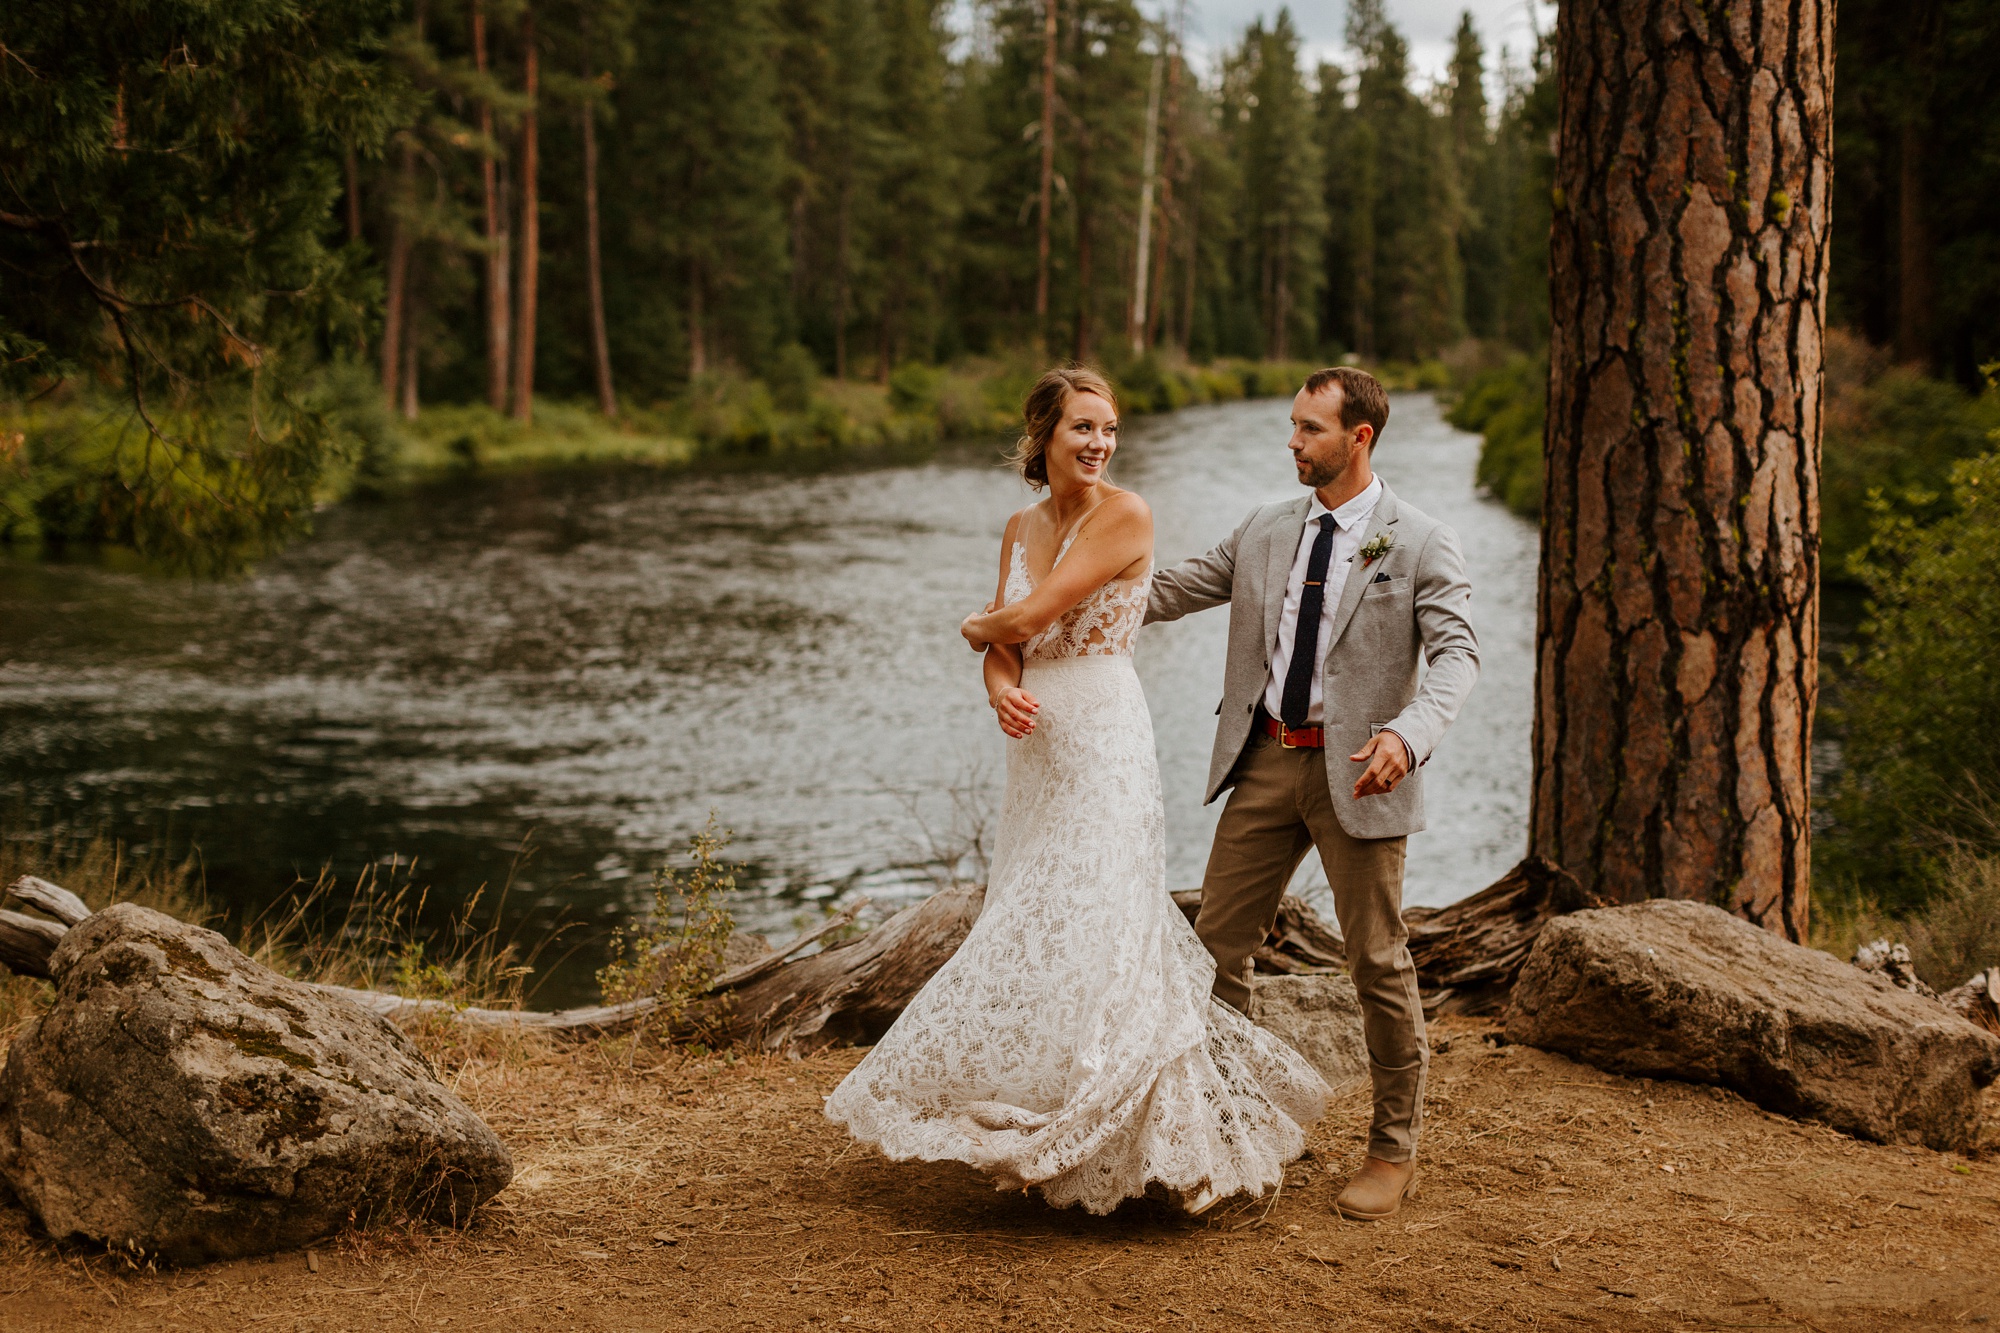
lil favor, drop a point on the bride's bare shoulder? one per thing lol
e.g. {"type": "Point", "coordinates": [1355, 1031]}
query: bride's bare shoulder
{"type": "Point", "coordinates": [1128, 507]}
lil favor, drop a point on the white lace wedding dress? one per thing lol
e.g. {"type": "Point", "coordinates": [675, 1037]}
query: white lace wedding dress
{"type": "Point", "coordinates": [1071, 1043]}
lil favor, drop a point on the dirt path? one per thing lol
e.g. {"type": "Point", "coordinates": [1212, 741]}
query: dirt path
{"type": "Point", "coordinates": [714, 1196]}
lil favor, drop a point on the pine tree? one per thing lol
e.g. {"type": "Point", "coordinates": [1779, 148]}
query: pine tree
{"type": "Point", "coordinates": [174, 175]}
{"type": "Point", "coordinates": [1270, 117]}
{"type": "Point", "coordinates": [701, 154]}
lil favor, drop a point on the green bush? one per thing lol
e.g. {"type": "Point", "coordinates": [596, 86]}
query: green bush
{"type": "Point", "coordinates": [1892, 436]}
{"type": "Point", "coordinates": [1920, 701]}
{"type": "Point", "coordinates": [1508, 405]}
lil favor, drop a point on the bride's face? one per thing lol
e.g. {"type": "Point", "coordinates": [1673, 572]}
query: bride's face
{"type": "Point", "coordinates": [1083, 444]}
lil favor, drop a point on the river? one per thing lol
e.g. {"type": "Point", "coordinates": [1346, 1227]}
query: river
{"type": "Point", "coordinates": [601, 659]}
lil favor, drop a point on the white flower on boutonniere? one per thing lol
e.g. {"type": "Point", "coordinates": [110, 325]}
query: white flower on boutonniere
{"type": "Point", "coordinates": [1378, 546]}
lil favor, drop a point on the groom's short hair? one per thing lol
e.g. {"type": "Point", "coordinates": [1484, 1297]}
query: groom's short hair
{"type": "Point", "coordinates": [1362, 397]}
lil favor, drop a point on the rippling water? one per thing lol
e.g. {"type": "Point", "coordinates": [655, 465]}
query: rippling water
{"type": "Point", "coordinates": [604, 658]}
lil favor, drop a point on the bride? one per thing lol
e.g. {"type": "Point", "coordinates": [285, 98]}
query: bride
{"type": "Point", "coordinates": [1071, 1044]}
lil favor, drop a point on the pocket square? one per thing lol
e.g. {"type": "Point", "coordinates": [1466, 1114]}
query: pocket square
{"type": "Point", "coordinates": [1383, 577]}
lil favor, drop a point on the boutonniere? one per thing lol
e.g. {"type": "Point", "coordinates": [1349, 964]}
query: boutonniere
{"type": "Point", "coordinates": [1378, 546]}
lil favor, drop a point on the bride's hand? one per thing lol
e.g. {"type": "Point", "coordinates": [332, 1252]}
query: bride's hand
{"type": "Point", "coordinates": [1016, 709]}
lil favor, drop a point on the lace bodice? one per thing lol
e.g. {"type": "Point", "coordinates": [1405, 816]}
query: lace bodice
{"type": "Point", "coordinates": [1103, 624]}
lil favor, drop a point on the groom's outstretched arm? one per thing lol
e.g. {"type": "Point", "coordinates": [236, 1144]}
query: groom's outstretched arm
{"type": "Point", "coordinates": [1443, 596]}
{"type": "Point", "coordinates": [1198, 583]}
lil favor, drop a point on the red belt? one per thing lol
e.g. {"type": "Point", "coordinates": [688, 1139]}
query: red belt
{"type": "Point", "coordinates": [1294, 738]}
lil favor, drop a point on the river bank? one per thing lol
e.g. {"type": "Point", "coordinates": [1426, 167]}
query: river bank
{"type": "Point", "coordinates": [659, 1192]}
{"type": "Point", "coordinates": [790, 414]}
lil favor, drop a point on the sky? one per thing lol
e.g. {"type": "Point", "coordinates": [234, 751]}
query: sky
{"type": "Point", "coordinates": [1427, 24]}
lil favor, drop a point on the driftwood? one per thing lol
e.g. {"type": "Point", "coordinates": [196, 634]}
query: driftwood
{"type": "Point", "coordinates": [1978, 1000]}
{"type": "Point", "coordinates": [851, 992]}
{"type": "Point", "coordinates": [1300, 944]}
{"type": "Point", "coordinates": [26, 943]}
{"type": "Point", "coordinates": [1469, 953]}
{"type": "Point", "coordinates": [1467, 956]}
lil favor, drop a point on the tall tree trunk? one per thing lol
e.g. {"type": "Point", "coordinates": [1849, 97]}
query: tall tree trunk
{"type": "Point", "coordinates": [530, 229]}
{"type": "Point", "coordinates": [1085, 251]}
{"type": "Point", "coordinates": [1142, 250]}
{"type": "Point", "coordinates": [353, 173]}
{"type": "Point", "coordinates": [1678, 629]}
{"type": "Point", "coordinates": [408, 387]}
{"type": "Point", "coordinates": [1281, 294]}
{"type": "Point", "coordinates": [843, 214]}
{"type": "Point", "coordinates": [499, 304]}
{"type": "Point", "coordinates": [1193, 265]}
{"type": "Point", "coordinates": [396, 297]}
{"type": "Point", "coordinates": [1156, 311]}
{"type": "Point", "coordinates": [697, 331]}
{"type": "Point", "coordinates": [1913, 251]}
{"type": "Point", "coordinates": [1048, 169]}
{"type": "Point", "coordinates": [593, 254]}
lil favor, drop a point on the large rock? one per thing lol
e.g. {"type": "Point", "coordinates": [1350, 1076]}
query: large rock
{"type": "Point", "coordinates": [182, 1100]}
{"type": "Point", "coordinates": [1682, 990]}
{"type": "Point", "coordinates": [1317, 1016]}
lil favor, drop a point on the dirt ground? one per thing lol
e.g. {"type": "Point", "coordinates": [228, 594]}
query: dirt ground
{"type": "Point", "coordinates": [713, 1195]}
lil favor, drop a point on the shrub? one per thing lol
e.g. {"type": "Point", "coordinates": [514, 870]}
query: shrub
{"type": "Point", "coordinates": [679, 950]}
{"type": "Point", "coordinates": [1892, 436]}
{"type": "Point", "coordinates": [1921, 698]}
{"type": "Point", "coordinates": [1508, 406]}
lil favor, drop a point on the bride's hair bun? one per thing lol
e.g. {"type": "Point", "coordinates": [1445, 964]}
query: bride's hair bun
{"type": "Point", "coordinates": [1043, 412]}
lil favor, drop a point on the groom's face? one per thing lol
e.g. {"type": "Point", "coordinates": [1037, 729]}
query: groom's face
{"type": "Point", "coordinates": [1322, 448]}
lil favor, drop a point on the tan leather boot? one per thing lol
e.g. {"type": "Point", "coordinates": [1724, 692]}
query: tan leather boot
{"type": "Point", "coordinates": [1377, 1190]}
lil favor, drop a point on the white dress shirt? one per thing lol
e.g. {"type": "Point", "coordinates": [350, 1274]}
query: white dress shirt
{"type": "Point", "coordinates": [1350, 534]}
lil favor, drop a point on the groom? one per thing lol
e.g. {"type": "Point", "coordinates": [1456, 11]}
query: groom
{"type": "Point", "coordinates": [1325, 723]}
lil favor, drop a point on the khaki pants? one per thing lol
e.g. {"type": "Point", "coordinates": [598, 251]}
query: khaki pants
{"type": "Point", "coordinates": [1278, 809]}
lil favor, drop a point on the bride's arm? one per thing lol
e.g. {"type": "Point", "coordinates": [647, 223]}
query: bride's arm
{"type": "Point", "coordinates": [1113, 540]}
{"type": "Point", "coordinates": [1014, 706]}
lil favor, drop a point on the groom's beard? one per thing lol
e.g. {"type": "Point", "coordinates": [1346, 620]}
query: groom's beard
{"type": "Point", "coordinates": [1316, 473]}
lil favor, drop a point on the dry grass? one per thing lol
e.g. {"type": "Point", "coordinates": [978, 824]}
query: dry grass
{"type": "Point", "coordinates": [670, 1193]}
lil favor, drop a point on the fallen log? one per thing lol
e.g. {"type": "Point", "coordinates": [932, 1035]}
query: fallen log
{"type": "Point", "coordinates": [1300, 944]}
{"type": "Point", "coordinates": [1468, 954]}
{"type": "Point", "coordinates": [1978, 1000]}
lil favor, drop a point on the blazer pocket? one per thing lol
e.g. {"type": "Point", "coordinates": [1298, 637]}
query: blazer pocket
{"type": "Point", "coordinates": [1387, 587]}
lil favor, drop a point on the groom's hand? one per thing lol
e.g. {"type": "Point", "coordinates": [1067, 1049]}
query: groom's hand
{"type": "Point", "coordinates": [1388, 763]}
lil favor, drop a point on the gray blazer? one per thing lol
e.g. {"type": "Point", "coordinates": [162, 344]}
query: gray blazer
{"type": "Point", "coordinates": [1379, 628]}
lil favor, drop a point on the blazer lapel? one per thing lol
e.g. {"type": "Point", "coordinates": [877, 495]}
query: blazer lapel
{"type": "Point", "coordinates": [1358, 578]}
{"type": "Point", "coordinates": [1285, 532]}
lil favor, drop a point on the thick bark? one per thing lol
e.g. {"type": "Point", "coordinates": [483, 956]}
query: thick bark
{"type": "Point", "coordinates": [1678, 626]}
{"type": "Point", "coordinates": [529, 230]}
{"type": "Point", "coordinates": [600, 336]}
{"type": "Point", "coordinates": [498, 300]}
{"type": "Point", "coordinates": [1048, 168]}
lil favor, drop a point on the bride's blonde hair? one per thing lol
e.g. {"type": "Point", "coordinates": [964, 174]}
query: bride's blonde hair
{"type": "Point", "coordinates": [1043, 411]}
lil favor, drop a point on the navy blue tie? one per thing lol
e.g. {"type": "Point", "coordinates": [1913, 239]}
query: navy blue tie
{"type": "Point", "coordinates": [1305, 640]}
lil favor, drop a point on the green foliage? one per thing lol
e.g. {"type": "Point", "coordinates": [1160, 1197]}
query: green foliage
{"type": "Point", "coordinates": [674, 956]}
{"type": "Point", "coordinates": [1920, 702]}
{"type": "Point", "coordinates": [1892, 437]}
{"type": "Point", "coordinates": [1508, 405]}
{"type": "Point", "coordinates": [163, 271]}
